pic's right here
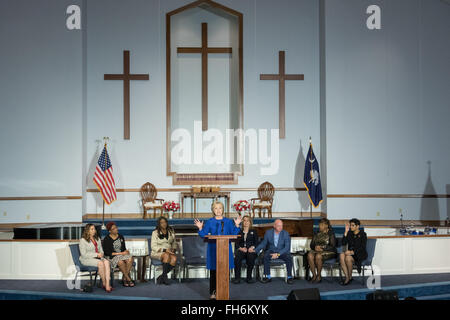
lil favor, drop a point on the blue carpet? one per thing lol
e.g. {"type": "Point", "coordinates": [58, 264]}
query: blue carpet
{"type": "Point", "coordinates": [423, 287]}
{"type": "Point", "coordinates": [40, 295]}
{"type": "Point", "coordinates": [427, 291]}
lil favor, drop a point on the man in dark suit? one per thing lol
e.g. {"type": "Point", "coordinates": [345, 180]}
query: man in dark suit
{"type": "Point", "coordinates": [276, 245]}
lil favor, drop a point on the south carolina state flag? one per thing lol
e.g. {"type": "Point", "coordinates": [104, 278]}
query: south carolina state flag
{"type": "Point", "coordinates": [311, 178]}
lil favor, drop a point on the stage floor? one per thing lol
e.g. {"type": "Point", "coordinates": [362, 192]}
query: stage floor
{"type": "Point", "coordinates": [197, 289]}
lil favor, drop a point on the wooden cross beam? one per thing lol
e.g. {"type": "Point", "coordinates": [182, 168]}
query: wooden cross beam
{"type": "Point", "coordinates": [126, 77]}
{"type": "Point", "coordinates": [281, 77]}
{"type": "Point", "coordinates": [204, 50]}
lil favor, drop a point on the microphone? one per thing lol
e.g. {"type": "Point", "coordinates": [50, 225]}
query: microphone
{"type": "Point", "coordinates": [222, 227]}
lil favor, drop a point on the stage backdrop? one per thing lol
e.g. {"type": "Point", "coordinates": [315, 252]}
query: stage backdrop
{"type": "Point", "coordinates": [374, 102]}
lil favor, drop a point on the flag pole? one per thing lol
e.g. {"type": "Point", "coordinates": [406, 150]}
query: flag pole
{"type": "Point", "coordinates": [103, 214]}
{"type": "Point", "coordinates": [310, 201]}
{"type": "Point", "coordinates": [103, 217]}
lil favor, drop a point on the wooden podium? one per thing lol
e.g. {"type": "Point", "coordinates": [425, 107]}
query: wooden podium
{"type": "Point", "coordinates": [222, 265]}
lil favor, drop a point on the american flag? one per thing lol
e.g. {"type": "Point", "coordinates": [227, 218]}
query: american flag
{"type": "Point", "coordinates": [103, 178]}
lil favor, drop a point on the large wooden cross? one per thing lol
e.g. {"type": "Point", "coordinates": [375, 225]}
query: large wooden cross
{"type": "Point", "coordinates": [281, 77]}
{"type": "Point", "coordinates": [126, 77]}
{"type": "Point", "coordinates": [204, 50]}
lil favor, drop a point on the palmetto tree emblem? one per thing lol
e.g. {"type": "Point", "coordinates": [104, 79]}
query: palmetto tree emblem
{"type": "Point", "coordinates": [314, 174]}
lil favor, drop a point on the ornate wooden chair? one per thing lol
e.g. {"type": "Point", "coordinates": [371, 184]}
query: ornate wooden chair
{"type": "Point", "coordinates": [265, 199]}
{"type": "Point", "coordinates": [149, 200]}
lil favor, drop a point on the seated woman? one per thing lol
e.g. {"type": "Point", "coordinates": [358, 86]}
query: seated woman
{"type": "Point", "coordinates": [117, 254]}
{"type": "Point", "coordinates": [355, 240]}
{"type": "Point", "coordinates": [91, 254]}
{"type": "Point", "coordinates": [164, 248]}
{"type": "Point", "coordinates": [323, 247]}
{"type": "Point", "coordinates": [248, 239]}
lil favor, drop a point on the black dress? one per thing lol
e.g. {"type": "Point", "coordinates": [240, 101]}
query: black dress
{"type": "Point", "coordinates": [357, 244]}
{"type": "Point", "coordinates": [118, 245]}
{"type": "Point", "coordinates": [327, 241]}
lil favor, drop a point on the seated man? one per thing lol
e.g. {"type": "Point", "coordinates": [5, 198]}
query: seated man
{"type": "Point", "coordinates": [277, 245]}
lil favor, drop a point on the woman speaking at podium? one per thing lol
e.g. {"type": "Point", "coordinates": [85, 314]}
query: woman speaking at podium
{"type": "Point", "coordinates": [218, 225]}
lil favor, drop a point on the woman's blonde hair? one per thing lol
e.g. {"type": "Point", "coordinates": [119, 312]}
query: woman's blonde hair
{"type": "Point", "coordinates": [217, 202]}
{"type": "Point", "coordinates": [249, 219]}
{"type": "Point", "coordinates": [86, 235]}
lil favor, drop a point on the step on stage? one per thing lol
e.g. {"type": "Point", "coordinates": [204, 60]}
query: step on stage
{"type": "Point", "coordinates": [52, 231]}
{"type": "Point", "coordinates": [139, 228]}
{"type": "Point", "coordinates": [422, 287]}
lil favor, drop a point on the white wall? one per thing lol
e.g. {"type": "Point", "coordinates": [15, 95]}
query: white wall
{"type": "Point", "coordinates": [139, 26]}
{"type": "Point", "coordinates": [384, 112]}
{"type": "Point", "coordinates": [40, 111]}
{"type": "Point", "coordinates": [387, 104]}
{"type": "Point", "coordinates": [392, 256]}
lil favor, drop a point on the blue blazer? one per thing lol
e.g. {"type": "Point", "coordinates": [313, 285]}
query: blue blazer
{"type": "Point", "coordinates": [214, 227]}
{"type": "Point", "coordinates": [284, 243]}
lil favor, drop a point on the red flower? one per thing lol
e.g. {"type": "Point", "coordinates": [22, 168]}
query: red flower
{"type": "Point", "coordinates": [171, 206]}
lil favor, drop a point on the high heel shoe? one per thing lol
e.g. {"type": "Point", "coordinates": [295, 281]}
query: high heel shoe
{"type": "Point", "coordinates": [346, 283]}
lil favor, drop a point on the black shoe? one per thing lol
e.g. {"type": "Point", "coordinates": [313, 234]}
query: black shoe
{"type": "Point", "coordinates": [250, 280]}
{"type": "Point", "coordinates": [166, 280]}
{"type": "Point", "coordinates": [237, 281]}
{"type": "Point", "coordinates": [159, 280]}
{"type": "Point", "coordinates": [290, 281]}
{"type": "Point", "coordinates": [266, 280]}
{"type": "Point", "coordinates": [346, 283]}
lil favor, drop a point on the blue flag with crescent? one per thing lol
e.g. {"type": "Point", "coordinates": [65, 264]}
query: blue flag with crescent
{"type": "Point", "coordinates": [311, 178]}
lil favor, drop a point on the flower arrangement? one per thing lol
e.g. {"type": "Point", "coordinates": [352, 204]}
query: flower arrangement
{"type": "Point", "coordinates": [171, 207]}
{"type": "Point", "coordinates": [241, 205]}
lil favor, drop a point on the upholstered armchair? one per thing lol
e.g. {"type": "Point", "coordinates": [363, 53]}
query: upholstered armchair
{"type": "Point", "coordinates": [149, 200]}
{"type": "Point", "coordinates": [264, 200]}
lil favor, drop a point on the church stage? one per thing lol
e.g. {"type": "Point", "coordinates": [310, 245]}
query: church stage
{"type": "Point", "coordinates": [423, 287]}
{"type": "Point", "coordinates": [394, 255]}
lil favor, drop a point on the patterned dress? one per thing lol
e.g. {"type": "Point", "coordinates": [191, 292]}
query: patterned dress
{"type": "Point", "coordinates": [117, 246]}
{"type": "Point", "coordinates": [327, 241]}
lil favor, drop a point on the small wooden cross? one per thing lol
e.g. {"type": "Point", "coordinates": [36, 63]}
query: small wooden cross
{"type": "Point", "coordinates": [281, 77]}
{"type": "Point", "coordinates": [204, 50]}
{"type": "Point", "coordinates": [126, 77]}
